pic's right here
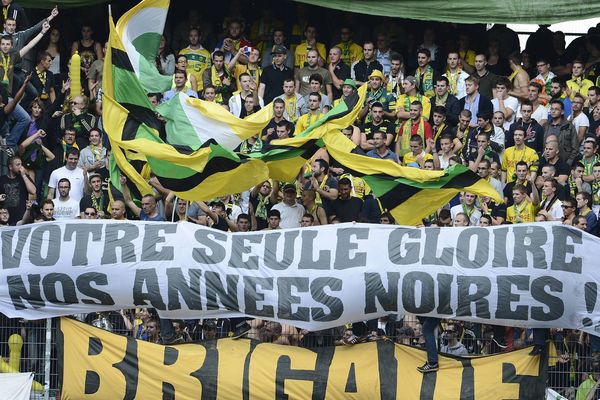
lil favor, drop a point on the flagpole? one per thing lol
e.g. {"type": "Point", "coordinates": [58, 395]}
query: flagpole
{"type": "Point", "coordinates": [109, 10]}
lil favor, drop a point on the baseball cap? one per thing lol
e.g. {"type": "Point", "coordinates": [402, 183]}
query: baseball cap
{"type": "Point", "coordinates": [350, 82]}
{"type": "Point", "coordinates": [411, 79]}
{"type": "Point", "coordinates": [289, 187]}
{"type": "Point", "coordinates": [376, 73]}
{"type": "Point", "coordinates": [279, 49]}
{"type": "Point", "coordinates": [217, 203]}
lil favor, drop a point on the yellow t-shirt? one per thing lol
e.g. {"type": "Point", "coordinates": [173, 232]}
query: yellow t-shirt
{"type": "Point", "coordinates": [410, 157]}
{"type": "Point", "coordinates": [198, 60]}
{"type": "Point", "coordinates": [351, 52]}
{"type": "Point", "coordinates": [302, 49]}
{"type": "Point", "coordinates": [401, 103]}
{"type": "Point", "coordinates": [468, 56]}
{"type": "Point", "coordinates": [241, 68]}
{"type": "Point", "coordinates": [525, 212]}
{"type": "Point", "coordinates": [304, 122]}
{"type": "Point", "coordinates": [579, 86]}
{"type": "Point", "coordinates": [512, 156]}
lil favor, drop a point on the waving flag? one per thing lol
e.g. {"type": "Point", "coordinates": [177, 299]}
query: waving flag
{"type": "Point", "coordinates": [140, 30]}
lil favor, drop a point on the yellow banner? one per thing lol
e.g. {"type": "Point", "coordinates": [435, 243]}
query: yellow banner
{"type": "Point", "coordinates": [101, 365]}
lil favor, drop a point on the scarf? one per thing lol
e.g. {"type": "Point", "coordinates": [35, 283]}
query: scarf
{"type": "Point", "coordinates": [407, 101]}
{"type": "Point", "coordinates": [439, 131]}
{"type": "Point", "coordinates": [425, 84]}
{"type": "Point", "coordinates": [394, 84]}
{"type": "Point", "coordinates": [468, 211]}
{"type": "Point", "coordinates": [589, 166]}
{"type": "Point", "coordinates": [519, 210]}
{"type": "Point", "coordinates": [322, 185]}
{"type": "Point", "coordinates": [572, 186]}
{"type": "Point", "coordinates": [453, 78]}
{"type": "Point", "coordinates": [290, 107]}
{"type": "Point", "coordinates": [441, 101]}
{"type": "Point", "coordinates": [256, 146]}
{"type": "Point", "coordinates": [97, 151]}
{"type": "Point", "coordinates": [407, 134]}
{"type": "Point", "coordinates": [43, 78]}
{"type": "Point", "coordinates": [261, 207]}
{"type": "Point", "coordinates": [217, 82]}
{"type": "Point", "coordinates": [512, 76]}
{"type": "Point", "coordinates": [66, 147]}
{"type": "Point", "coordinates": [98, 204]}
{"type": "Point", "coordinates": [6, 66]}
{"type": "Point", "coordinates": [595, 189]}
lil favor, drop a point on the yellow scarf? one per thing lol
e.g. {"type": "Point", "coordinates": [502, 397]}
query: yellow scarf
{"type": "Point", "coordinates": [215, 79]}
{"type": "Point", "coordinates": [5, 66]}
{"type": "Point", "coordinates": [514, 74]}
{"type": "Point", "coordinates": [407, 134]}
{"type": "Point", "coordinates": [438, 131]}
{"type": "Point", "coordinates": [290, 107]}
{"type": "Point", "coordinates": [453, 78]}
{"type": "Point", "coordinates": [322, 185]}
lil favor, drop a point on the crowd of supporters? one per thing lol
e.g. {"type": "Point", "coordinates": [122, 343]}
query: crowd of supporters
{"type": "Point", "coordinates": [527, 120]}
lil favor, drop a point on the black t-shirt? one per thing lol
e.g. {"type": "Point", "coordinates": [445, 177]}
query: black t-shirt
{"type": "Point", "coordinates": [342, 72]}
{"type": "Point", "coordinates": [508, 192]}
{"type": "Point", "coordinates": [221, 225]}
{"type": "Point", "coordinates": [42, 88]}
{"type": "Point", "coordinates": [347, 210]}
{"type": "Point", "coordinates": [497, 210]}
{"type": "Point", "coordinates": [261, 223]}
{"type": "Point", "coordinates": [16, 197]}
{"type": "Point", "coordinates": [561, 167]}
{"type": "Point", "coordinates": [86, 202]}
{"type": "Point", "coordinates": [385, 126]}
{"type": "Point", "coordinates": [273, 79]}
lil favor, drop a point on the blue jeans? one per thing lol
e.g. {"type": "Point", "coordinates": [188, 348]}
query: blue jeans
{"type": "Point", "coordinates": [429, 324]}
{"type": "Point", "coordinates": [21, 123]}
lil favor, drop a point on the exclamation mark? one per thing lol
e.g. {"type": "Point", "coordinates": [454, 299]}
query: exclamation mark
{"type": "Point", "coordinates": [591, 293]}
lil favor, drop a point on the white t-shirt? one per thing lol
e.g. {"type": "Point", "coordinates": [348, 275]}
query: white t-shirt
{"type": "Point", "coordinates": [509, 102]}
{"type": "Point", "coordinates": [555, 210]}
{"type": "Point", "coordinates": [68, 209]}
{"type": "Point", "coordinates": [74, 176]}
{"type": "Point", "coordinates": [474, 218]}
{"type": "Point", "coordinates": [579, 121]}
{"type": "Point", "coordinates": [290, 215]}
{"type": "Point", "coordinates": [540, 114]}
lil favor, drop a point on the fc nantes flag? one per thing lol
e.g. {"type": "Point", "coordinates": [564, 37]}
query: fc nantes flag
{"type": "Point", "coordinates": [285, 157]}
{"type": "Point", "coordinates": [140, 30]}
{"type": "Point", "coordinates": [134, 132]}
{"type": "Point", "coordinates": [409, 194]}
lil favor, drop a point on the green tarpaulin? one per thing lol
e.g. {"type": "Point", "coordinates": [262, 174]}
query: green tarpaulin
{"type": "Point", "coordinates": [60, 3]}
{"type": "Point", "coordinates": [471, 11]}
{"type": "Point", "coordinates": [459, 11]}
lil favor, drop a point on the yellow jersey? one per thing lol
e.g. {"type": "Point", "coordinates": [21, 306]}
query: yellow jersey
{"type": "Point", "coordinates": [579, 85]}
{"type": "Point", "coordinates": [351, 52]}
{"type": "Point", "coordinates": [512, 156]}
{"type": "Point", "coordinates": [253, 72]}
{"type": "Point", "coordinates": [410, 157]}
{"type": "Point", "coordinates": [521, 213]}
{"type": "Point", "coordinates": [302, 50]}
{"type": "Point", "coordinates": [198, 60]}
{"type": "Point", "coordinates": [305, 121]}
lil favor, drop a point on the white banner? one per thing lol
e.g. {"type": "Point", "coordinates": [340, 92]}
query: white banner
{"type": "Point", "coordinates": [16, 386]}
{"type": "Point", "coordinates": [529, 275]}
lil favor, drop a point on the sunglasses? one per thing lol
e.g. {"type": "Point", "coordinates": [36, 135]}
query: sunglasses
{"type": "Point", "coordinates": [90, 213]}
